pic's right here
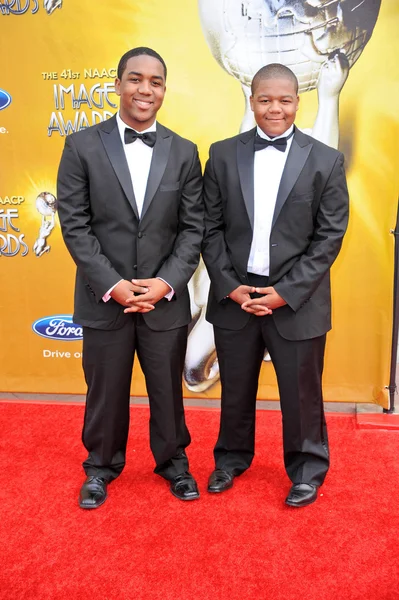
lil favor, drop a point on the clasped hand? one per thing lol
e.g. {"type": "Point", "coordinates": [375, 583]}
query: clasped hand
{"type": "Point", "coordinates": [139, 295]}
{"type": "Point", "coordinates": [260, 307]}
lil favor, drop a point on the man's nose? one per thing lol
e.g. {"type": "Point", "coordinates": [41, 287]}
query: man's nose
{"type": "Point", "coordinates": [145, 87]}
{"type": "Point", "coordinates": [275, 107]}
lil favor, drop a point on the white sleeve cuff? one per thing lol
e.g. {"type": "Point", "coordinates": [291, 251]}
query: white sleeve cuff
{"type": "Point", "coordinates": [107, 295]}
{"type": "Point", "coordinates": [170, 294]}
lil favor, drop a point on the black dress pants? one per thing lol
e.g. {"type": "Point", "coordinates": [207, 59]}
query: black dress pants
{"type": "Point", "coordinates": [107, 363]}
{"type": "Point", "coordinates": [299, 367]}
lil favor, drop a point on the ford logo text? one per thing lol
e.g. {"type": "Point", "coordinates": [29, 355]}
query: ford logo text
{"type": "Point", "coordinates": [58, 327]}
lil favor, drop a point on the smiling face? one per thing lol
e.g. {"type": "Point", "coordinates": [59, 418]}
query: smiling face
{"type": "Point", "coordinates": [141, 90]}
{"type": "Point", "coordinates": [274, 103]}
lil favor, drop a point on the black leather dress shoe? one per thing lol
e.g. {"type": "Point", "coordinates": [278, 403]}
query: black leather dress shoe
{"type": "Point", "coordinates": [184, 487]}
{"type": "Point", "coordinates": [220, 481]}
{"type": "Point", "coordinates": [301, 494]}
{"type": "Point", "coordinates": [93, 492]}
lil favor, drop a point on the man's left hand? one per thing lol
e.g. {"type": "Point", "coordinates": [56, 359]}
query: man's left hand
{"type": "Point", "coordinates": [265, 305]}
{"type": "Point", "coordinates": [156, 290]}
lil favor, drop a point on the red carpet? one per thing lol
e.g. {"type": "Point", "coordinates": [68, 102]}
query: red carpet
{"type": "Point", "coordinates": [143, 544]}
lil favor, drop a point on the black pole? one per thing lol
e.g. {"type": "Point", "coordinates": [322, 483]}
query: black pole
{"type": "Point", "coordinates": [395, 325]}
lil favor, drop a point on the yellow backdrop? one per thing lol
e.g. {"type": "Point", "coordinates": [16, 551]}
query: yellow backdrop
{"type": "Point", "coordinates": [79, 44]}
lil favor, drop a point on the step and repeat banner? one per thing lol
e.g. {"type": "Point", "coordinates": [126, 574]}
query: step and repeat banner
{"type": "Point", "coordinates": [58, 78]}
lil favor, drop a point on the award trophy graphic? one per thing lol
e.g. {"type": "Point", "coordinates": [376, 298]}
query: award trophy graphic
{"type": "Point", "coordinates": [51, 5]}
{"type": "Point", "coordinates": [46, 205]}
{"type": "Point", "coordinates": [319, 40]}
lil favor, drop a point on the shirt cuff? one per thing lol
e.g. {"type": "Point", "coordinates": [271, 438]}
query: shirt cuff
{"type": "Point", "coordinates": [107, 295]}
{"type": "Point", "coordinates": [170, 294]}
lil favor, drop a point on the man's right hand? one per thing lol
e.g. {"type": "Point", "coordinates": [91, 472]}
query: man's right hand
{"type": "Point", "coordinates": [242, 294]}
{"type": "Point", "coordinates": [125, 290]}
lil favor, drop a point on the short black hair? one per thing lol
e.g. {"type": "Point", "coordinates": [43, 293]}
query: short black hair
{"type": "Point", "coordinates": [274, 71]}
{"type": "Point", "coordinates": [139, 52]}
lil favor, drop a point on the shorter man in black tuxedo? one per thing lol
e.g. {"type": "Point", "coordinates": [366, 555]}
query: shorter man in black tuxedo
{"type": "Point", "coordinates": [130, 206]}
{"type": "Point", "coordinates": [276, 210]}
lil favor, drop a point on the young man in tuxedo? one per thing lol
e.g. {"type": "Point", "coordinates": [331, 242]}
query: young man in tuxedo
{"type": "Point", "coordinates": [130, 206]}
{"type": "Point", "coordinates": [276, 210]}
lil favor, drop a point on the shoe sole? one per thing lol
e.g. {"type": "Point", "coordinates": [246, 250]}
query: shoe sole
{"type": "Point", "coordinates": [225, 489]}
{"type": "Point", "coordinates": [294, 505]}
{"type": "Point", "coordinates": [185, 499]}
{"type": "Point", "coordinates": [86, 507]}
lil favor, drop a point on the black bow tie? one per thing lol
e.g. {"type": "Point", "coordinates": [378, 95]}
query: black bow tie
{"type": "Point", "coordinates": [279, 144]}
{"type": "Point", "coordinates": [148, 138]}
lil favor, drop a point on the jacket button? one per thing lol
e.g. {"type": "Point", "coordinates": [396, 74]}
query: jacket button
{"type": "Point", "coordinates": [135, 267]}
{"type": "Point", "coordinates": [139, 235]}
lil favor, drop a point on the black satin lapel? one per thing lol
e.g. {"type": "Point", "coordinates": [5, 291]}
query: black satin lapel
{"type": "Point", "coordinates": [296, 160]}
{"type": "Point", "coordinates": [159, 161]}
{"type": "Point", "coordinates": [113, 147]}
{"type": "Point", "coordinates": [245, 164]}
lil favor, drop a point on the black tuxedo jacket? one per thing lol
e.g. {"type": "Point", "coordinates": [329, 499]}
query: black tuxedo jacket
{"type": "Point", "coordinates": [107, 239]}
{"type": "Point", "coordinates": [309, 222]}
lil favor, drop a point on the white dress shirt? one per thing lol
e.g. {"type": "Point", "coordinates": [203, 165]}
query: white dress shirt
{"type": "Point", "coordinates": [269, 164]}
{"type": "Point", "coordinates": [138, 157]}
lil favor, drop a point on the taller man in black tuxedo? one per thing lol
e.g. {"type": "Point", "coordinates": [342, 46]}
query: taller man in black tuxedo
{"type": "Point", "coordinates": [130, 207]}
{"type": "Point", "coordinates": [276, 210]}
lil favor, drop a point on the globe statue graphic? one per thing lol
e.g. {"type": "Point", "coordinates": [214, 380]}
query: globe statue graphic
{"type": "Point", "coordinates": [245, 35]}
{"type": "Point", "coordinates": [46, 204]}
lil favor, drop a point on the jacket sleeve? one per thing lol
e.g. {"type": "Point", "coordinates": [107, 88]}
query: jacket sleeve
{"type": "Point", "coordinates": [184, 258]}
{"type": "Point", "coordinates": [75, 217]}
{"type": "Point", "coordinates": [298, 285]}
{"type": "Point", "coordinates": [214, 250]}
